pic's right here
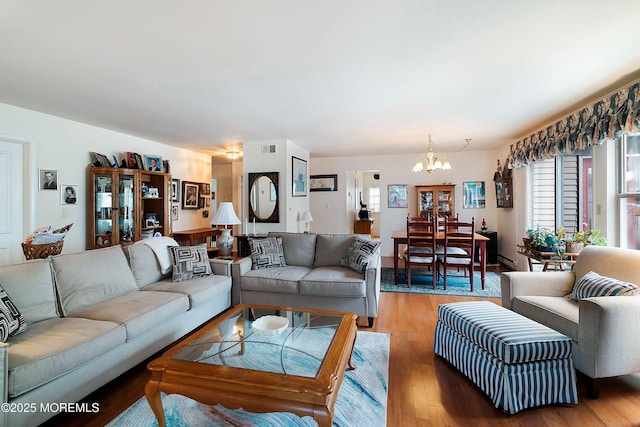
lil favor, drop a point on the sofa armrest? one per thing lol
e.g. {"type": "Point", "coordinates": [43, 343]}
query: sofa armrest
{"type": "Point", "coordinates": [221, 267]}
{"type": "Point", "coordinates": [608, 336]}
{"type": "Point", "coordinates": [548, 283]}
{"type": "Point", "coordinates": [238, 269]}
{"type": "Point", "coordinates": [372, 282]}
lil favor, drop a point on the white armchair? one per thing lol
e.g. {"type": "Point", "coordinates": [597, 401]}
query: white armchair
{"type": "Point", "coordinates": [604, 330]}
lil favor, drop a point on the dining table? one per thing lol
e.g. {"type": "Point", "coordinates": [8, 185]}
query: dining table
{"type": "Point", "coordinates": [400, 238]}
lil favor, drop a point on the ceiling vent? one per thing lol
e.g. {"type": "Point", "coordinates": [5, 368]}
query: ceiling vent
{"type": "Point", "coordinates": [269, 149]}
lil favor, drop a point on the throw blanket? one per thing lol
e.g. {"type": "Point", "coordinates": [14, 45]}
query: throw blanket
{"type": "Point", "coordinates": [160, 246]}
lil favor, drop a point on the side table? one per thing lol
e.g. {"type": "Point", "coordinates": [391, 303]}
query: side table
{"type": "Point", "coordinates": [492, 246]}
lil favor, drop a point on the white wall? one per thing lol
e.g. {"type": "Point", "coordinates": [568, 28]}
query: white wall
{"type": "Point", "coordinates": [290, 208]}
{"type": "Point", "coordinates": [64, 145]}
{"type": "Point", "coordinates": [328, 207]}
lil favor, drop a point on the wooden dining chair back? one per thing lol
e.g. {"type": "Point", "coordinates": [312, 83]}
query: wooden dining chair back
{"type": "Point", "coordinates": [421, 247]}
{"type": "Point", "coordinates": [459, 248]}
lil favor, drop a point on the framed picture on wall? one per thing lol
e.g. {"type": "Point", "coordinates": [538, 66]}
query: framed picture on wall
{"type": "Point", "coordinates": [323, 183]}
{"type": "Point", "coordinates": [397, 196]}
{"type": "Point", "coordinates": [190, 195]}
{"type": "Point", "coordinates": [299, 175]}
{"type": "Point", "coordinates": [473, 194]}
{"type": "Point", "coordinates": [175, 190]}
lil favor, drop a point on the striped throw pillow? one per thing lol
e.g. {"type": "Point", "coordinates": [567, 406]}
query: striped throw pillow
{"type": "Point", "coordinates": [358, 254]}
{"type": "Point", "coordinates": [594, 285]}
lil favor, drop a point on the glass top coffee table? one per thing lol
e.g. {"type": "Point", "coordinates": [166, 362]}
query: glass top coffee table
{"type": "Point", "coordinates": [293, 364]}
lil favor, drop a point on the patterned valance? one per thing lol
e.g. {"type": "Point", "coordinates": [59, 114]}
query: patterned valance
{"type": "Point", "coordinates": [605, 120]}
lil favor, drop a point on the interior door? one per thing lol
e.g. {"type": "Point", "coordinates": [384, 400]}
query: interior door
{"type": "Point", "coordinates": [11, 201]}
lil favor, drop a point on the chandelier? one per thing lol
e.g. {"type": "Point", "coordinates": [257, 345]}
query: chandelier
{"type": "Point", "coordinates": [431, 162]}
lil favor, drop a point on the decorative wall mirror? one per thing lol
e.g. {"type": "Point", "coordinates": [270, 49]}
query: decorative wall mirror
{"type": "Point", "coordinates": [263, 197]}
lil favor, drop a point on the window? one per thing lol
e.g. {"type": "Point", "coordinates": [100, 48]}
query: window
{"type": "Point", "coordinates": [562, 192]}
{"type": "Point", "coordinates": [374, 199]}
{"type": "Point", "coordinates": [629, 191]}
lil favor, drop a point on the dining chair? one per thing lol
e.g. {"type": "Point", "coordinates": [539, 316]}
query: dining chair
{"type": "Point", "coordinates": [459, 248]}
{"type": "Point", "coordinates": [421, 246]}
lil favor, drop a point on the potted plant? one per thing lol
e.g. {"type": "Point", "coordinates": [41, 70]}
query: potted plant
{"type": "Point", "coordinates": [579, 240]}
{"type": "Point", "coordinates": [543, 240]}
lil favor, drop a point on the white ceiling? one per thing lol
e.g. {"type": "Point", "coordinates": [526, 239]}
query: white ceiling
{"type": "Point", "coordinates": [338, 77]}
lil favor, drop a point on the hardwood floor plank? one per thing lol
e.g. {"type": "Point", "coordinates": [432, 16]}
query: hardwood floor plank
{"type": "Point", "coordinates": [423, 389]}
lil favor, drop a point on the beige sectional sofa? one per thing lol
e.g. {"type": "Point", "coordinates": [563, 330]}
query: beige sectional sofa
{"type": "Point", "coordinates": [604, 330]}
{"type": "Point", "coordinates": [90, 317]}
{"type": "Point", "coordinates": [313, 277]}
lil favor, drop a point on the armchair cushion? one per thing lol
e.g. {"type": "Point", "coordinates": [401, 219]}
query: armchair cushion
{"type": "Point", "coordinates": [594, 285]}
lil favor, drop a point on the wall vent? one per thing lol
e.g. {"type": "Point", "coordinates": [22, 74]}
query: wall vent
{"type": "Point", "coordinates": [269, 149]}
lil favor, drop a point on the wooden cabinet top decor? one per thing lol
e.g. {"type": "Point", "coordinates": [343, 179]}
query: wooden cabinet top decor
{"type": "Point", "coordinates": [438, 200]}
{"type": "Point", "coordinates": [126, 205]}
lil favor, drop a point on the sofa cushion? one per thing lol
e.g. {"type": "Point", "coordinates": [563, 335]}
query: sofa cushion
{"type": "Point", "coordinates": [31, 288]}
{"type": "Point", "coordinates": [51, 348]}
{"type": "Point", "coordinates": [333, 282]}
{"type": "Point", "coordinates": [267, 253]}
{"type": "Point", "coordinates": [330, 249]}
{"type": "Point", "coordinates": [11, 321]}
{"type": "Point", "coordinates": [557, 313]}
{"type": "Point", "coordinates": [189, 262]}
{"type": "Point", "coordinates": [594, 285]}
{"type": "Point", "coordinates": [299, 248]}
{"type": "Point", "coordinates": [87, 278]}
{"type": "Point", "coordinates": [144, 264]}
{"type": "Point", "coordinates": [138, 311]}
{"type": "Point", "coordinates": [359, 254]}
{"type": "Point", "coordinates": [276, 280]}
{"type": "Point", "coordinates": [199, 290]}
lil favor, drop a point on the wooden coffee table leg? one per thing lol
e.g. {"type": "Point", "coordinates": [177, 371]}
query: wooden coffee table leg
{"type": "Point", "coordinates": [152, 393]}
{"type": "Point", "coordinates": [350, 364]}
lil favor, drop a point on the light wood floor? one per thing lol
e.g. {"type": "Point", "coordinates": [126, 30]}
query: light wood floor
{"type": "Point", "coordinates": [424, 390]}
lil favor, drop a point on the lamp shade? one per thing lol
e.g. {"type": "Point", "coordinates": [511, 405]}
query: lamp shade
{"type": "Point", "coordinates": [225, 215]}
{"type": "Point", "coordinates": [306, 216]}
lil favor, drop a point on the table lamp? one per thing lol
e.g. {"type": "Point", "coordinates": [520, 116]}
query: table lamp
{"type": "Point", "coordinates": [306, 218]}
{"type": "Point", "coordinates": [225, 216]}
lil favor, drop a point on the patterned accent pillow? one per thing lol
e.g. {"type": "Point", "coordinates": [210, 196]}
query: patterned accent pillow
{"type": "Point", "coordinates": [11, 321]}
{"type": "Point", "coordinates": [359, 254]}
{"type": "Point", "coordinates": [594, 285]}
{"type": "Point", "coordinates": [189, 262]}
{"type": "Point", "coordinates": [267, 253]}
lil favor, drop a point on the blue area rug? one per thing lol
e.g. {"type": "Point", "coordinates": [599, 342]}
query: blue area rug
{"type": "Point", "coordinates": [362, 399]}
{"type": "Point", "coordinates": [421, 284]}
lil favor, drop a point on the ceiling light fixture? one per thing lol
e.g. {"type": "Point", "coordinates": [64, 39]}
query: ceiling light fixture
{"type": "Point", "coordinates": [431, 162]}
{"type": "Point", "coordinates": [233, 155]}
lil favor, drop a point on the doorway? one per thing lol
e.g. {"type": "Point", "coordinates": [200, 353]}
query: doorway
{"type": "Point", "coordinates": [15, 197]}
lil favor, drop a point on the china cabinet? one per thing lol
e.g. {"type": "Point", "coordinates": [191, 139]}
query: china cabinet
{"type": "Point", "coordinates": [126, 205]}
{"type": "Point", "coordinates": [438, 200]}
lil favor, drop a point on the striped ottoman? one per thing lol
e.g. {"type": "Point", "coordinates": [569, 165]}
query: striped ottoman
{"type": "Point", "coordinates": [517, 362]}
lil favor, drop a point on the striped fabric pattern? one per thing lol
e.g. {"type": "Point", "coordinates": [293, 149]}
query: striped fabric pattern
{"type": "Point", "coordinates": [594, 285]}
{"type": "Point", "coordinates": [506, 335]}
{"type": "Point", "coordinates": [511, 387]}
